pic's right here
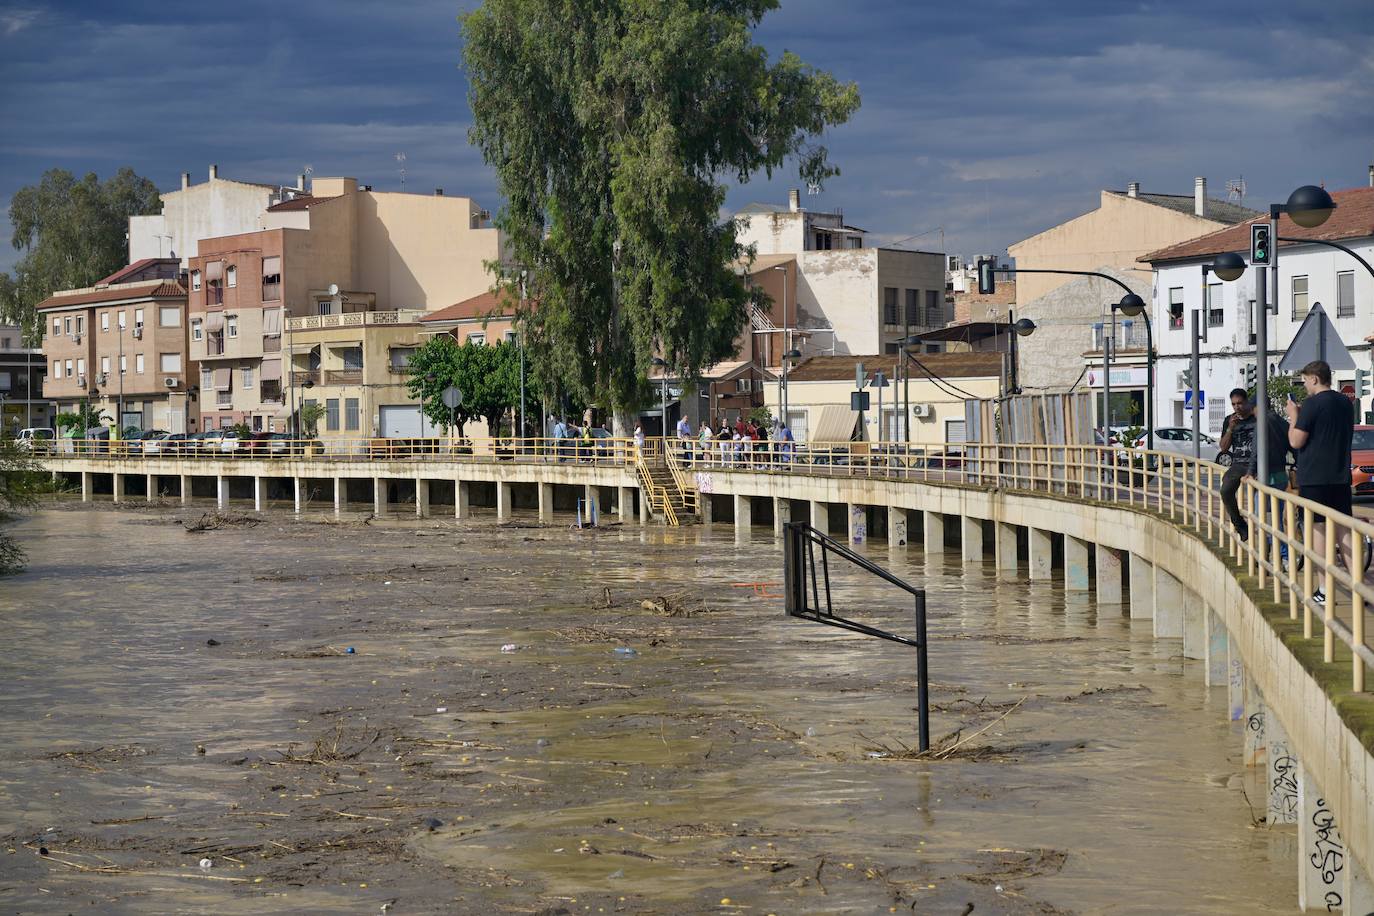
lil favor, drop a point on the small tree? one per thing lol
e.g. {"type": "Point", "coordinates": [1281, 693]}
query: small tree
{"type": "Point", "coordinates": [310, 416]}
{"type": "Point", "coordinates": [20, 479]}
{"type": "Point", "coordinates": [487, 375]}
{"type": "Point", "coordinates": [83, 418]}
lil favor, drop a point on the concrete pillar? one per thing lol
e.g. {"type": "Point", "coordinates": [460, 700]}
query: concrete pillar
{"type": "Point", "coordinates": [1142, 588]}
{"type": "Point", "coordinates": [933, 528]}
{"type": "Point", "coordinates": [897, 522]}
{"type": "Point", "coordinates": [820, 516]}
{"type": "Point", "coordinates": [971, 538]}
{"type": "Point", "coordinates": [86, 486]}
{"type": "Point", "coordinates": [462, 495]}
{"type": "Point", "coordinates": [296, 495]}
{"type": "Point", "coordinates": [591, 498]}
{"type": "Point", "coordinates": [259, 492]}
{"type": "Point", "coordinates": [150, 487]}
{"type": "Point", "coordinates": [1216, 650]}
{"type": "Point", "coordinates": [1255, 716]}
{"type": "Point", "coordinates": [1075, 564]}
{"type": "Point", "coordinates": [1108, 575]}
{"type": "Point", "coordinates": [1194, 626]}
{"type": "Point", "coordinates": [856, 524]}
{"type": "Point", "coordinates": [706, 508]}
{"type": "Point", "coordinates": [1281, 769]}
{"type": "Point", "coordinates": [546, 502]}
{"type": "Point", "coordinates": [1169, 602]}
{"type": "Point", "coordinates": [221, 491]}
{"type": "Point", "coordinates": [338, 495]}
{"type": "Point", "coordinates": [782, 514]}
{"type": "Point", "coordinates": [1004, 545]}
{"type": "Point", "coordinates": [1041, 544]}
{"type": "Point", "coordinates": [421, 497]}
{"type": "Point", "coordinates": [1329, 878]}
{"type": "Point", "coordinates": [1235, 682]}
{"type": "Point", "coordinates": [117, 487]}
{"type": "Point", "coordinates": [185, 488]}
{"type": "Point", "coordinates": [624, 503]}
{"type": "Point", "coordinates": [502, 500]}
{"type": "Point", "coordinates": [644, 514]}
{"type": "Point", "coordinates": [378, 496]}
{"type": "Point", "coordinates": [744, 514]}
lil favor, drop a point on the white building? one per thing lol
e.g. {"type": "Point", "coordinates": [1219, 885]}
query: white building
{"type": "Point", "coordinates": [868, 296]}
{"type": "Point", "coordinates": [219, 207]}
{"type": "Point", "coordinates": [1308, 274]}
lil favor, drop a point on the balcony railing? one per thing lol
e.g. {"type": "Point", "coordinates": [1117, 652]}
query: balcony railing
{"type": "Point", "coordinates": [343, 376]}
{"type": "Point", "coordinates": [300, 377]}
{"type": "Point", "coordinates": [353, 319]}
{"type": "Point", "coordinates": [1128, 337]}
{"type": "Point", "coordinates": [224, 399]}
{"type": "Point", "coordinates": [271, 344]}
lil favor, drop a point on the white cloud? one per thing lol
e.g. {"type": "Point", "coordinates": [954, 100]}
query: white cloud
{"type": "Point", "coordinates": [14, 21]}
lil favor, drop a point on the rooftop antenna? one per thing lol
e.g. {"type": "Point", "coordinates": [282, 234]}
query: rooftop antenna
{"type": "Point", "coordinates": [401, 158]}
{"type": "Point", "coordinates": [1235, 190]}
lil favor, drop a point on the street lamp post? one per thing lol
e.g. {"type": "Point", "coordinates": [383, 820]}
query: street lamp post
{"type": "Point", "coordinates": [1022, 328]}
{"type": "Point", "coordinates": [1132, 305]}
{"type": "Point", "coordinates": [787, 359]}
{"type": "Point", "coordinates": [1227, 266]}
{"type": "Point", "coordinates": [1309, 206]}
{"type": "Point", "coordinates": [662, 365]}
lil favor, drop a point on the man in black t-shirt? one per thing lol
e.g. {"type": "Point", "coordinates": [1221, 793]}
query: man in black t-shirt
{"type": "Point", "coordinates": [1321, 432]}
{"type": "Point", "coordinates": [1238, 440]}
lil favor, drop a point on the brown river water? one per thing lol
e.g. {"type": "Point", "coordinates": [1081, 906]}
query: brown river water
{"type": "Point", "coordinates": [741, 761]}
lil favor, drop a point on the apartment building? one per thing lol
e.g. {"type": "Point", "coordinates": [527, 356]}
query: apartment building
{"type": "Point", "coordinates": [853, 297]}
{"type": "Point", "coordinates": [22, 370]}
{"type": "Point", "coordinates": [124, 347]}
{"type": "Point", "coordinates": [341, 249]}
{"type": "Point", "coordinates": [214, 208]}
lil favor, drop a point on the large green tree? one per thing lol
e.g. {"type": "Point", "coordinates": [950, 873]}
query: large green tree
{"type": "Point", "coordinates": [488, 375]}
{"type": "Point", "coordinates": [72, 232]}
{"type": "Point", "coordinates": [20, 479]}
{"type": "Point", "coordinates": [612, 125]}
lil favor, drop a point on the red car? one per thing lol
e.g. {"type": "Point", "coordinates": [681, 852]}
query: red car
{"type": "Point", "coordinates": [1362, 461]}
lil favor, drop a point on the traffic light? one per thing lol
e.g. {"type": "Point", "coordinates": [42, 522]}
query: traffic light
{"type": "Point", "coordinates": [1260, 251]}
{"type": "Point", "coordinates": [987, 280]}
{"type": "Point", "coordinates": [1186, 379]}
{"type": "Point", "coordinates": [1250, 375]}
{"type": "Point", "coordinates": [1361, 383]}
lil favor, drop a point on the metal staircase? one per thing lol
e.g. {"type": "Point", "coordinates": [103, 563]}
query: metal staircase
{"type": "Point", "coordinates": [665, 485]}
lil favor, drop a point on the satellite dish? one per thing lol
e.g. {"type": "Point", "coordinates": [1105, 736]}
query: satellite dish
{"type": "Point", "coordinates": [333, 289]}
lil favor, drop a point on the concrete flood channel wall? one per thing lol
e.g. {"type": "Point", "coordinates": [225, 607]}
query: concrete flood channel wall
{"type": "Point", "coordinates": [1301, 723]}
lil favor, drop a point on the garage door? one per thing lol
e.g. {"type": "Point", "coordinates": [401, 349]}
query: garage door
{"type": "Point", "coordinates": [403, 421]}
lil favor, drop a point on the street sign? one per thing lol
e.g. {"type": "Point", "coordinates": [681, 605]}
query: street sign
{"type": "Point", "coordinates": [858, 400]}
{"type": "Point", "coordinates": [1348, 391]}
{"type": "Point", "coordinates": [1188, 399]}
{"type": "Point", "coordinates": [1316, 339]}
{"type": "Point", "coordinates": [879, 381]}
{"type": "Point", "coordinates": [452, 398]}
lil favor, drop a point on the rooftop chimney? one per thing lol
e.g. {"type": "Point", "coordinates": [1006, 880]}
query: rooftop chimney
{"type": "Point", "coordinates": [438, 192]}
{"type": "Point", "coordinates": [214, 172]}
{"type": "Point", "coordinates": [1371, 176]}
{"type": "Point", "coordinates": [1200, 196]}
{"type": "Point", "coordinates": [300, 182]}
{"type": "Point", "coordinates": [1133, 189]}
{"type": "Point", "coordinates": [185, 180]}
{"type": "Point", "coordinates": [794, 200]}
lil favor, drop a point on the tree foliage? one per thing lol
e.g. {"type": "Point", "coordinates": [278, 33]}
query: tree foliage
{"type": "Point", "coordinates": [20, 480]}
{"type": "Point", "coordinates": [86, 416]}
{"type": "Point", "coordinates": [72, 232]}
{"type": "Point", "coordinates": [488, 375]}
{"type": "Point", "coordinates": [612, 124]}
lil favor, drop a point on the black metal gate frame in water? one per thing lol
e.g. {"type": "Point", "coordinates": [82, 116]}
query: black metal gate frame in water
{"type": "Point", "coordinates": [800, 541]}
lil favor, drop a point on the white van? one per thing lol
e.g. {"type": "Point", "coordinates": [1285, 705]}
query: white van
{"type": "Point", "coordinates": [35, 438]}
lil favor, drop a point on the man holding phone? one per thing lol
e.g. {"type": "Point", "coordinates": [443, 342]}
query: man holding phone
{"type": "Point", "coordinates": [1320, 431]}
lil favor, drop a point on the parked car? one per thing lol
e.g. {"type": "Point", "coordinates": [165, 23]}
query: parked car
{"type": "Point", "coordinates": [212, 441]}
{"type": "Point", "coordinates": [1180, 439]}
{"type": "Point", "coordinates": [138, 442]}
{"type": "Point", "coordinates": [167, 444]}
{"type": "Point", "coordinates": [1362, 461]}
{"type": "Point", "coordinates": [35, 438]}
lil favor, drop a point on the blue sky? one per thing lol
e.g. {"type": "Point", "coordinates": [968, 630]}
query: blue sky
{"type": "Point", "coordinates": [992, 119]}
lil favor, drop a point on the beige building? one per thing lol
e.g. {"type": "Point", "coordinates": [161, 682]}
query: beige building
{"type": "Point", "coordinates": [217, 207]}
{"type": "Point", "coordinates": [850, 296]}
{"type": "Point", "coordinates": [819, 390]}
{"type": "Point", "coordinates": [1069, 311]}
{"type": "Point", "coordinates": [123, 346]}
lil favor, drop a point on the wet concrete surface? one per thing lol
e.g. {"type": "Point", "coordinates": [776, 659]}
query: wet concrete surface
{"type": "Point", "coordinates": [740, 761]}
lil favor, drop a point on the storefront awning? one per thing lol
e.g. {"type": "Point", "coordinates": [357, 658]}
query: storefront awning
{"type": "Point", "coordinates": [271, 370]}
{"type": "Point", "coordinates": [271, 322]}
{"type": "Point", "coordinates": [214, 321]}
{"type": "Point", "coordinates": [223, 377]}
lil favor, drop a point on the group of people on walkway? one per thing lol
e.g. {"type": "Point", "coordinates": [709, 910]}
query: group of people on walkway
{"type": "Point", "coordinates": [744, 444]}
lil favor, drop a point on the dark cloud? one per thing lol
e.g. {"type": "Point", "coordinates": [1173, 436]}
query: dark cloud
{"type": "Point", "coordinates": [990, 119]}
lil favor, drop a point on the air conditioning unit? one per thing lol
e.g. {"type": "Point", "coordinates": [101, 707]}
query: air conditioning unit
{"type": "Point", "coordinates": [138, 332]}
{"type": "Point", "coordinates": [170, 381]}
{"type": "Point", "coordinates": [76, 338]}
{"type": "Point", "coordinates": [922, 410]}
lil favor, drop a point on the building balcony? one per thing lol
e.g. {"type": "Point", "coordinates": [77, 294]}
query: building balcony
{"type": "Point", "coordinates": [343, 376]}
{"type": "Point", "coordinates": [302, 376]}
{"type": "Point", "coordinates": [353, 320]}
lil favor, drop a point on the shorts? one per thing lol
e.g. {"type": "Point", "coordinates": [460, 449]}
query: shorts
{"type": "Point", "coordinates": [1332, 495]}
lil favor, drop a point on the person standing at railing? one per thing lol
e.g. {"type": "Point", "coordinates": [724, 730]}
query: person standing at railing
{"type": "Point", "coordinates": [786, 444]}
{"type": "Point", "coordinates": [704, 436]}
{"type": "Point", "coordinates": [1239, 441]}
{"type": "Point", "coordinates": [684, 436]}
{"type": "Point", "coordinates": [1321, 432]}
{"type": "Point", "coordinates": [639, 439]}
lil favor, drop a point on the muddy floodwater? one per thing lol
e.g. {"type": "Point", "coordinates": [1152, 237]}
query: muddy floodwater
{"type": "Point", "coordinates": [428, 716]}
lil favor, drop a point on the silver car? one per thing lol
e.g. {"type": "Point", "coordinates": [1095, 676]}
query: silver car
{"type": "Point", "coordinates": [1179, 439]}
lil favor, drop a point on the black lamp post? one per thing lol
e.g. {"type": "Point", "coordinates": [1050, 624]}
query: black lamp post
{"type": "Point", "coordinates": [1131, 306]}
{"type": "Point", "coordinates": [787, 359]}
{"type": "Point", "coordinates": [662, 365]}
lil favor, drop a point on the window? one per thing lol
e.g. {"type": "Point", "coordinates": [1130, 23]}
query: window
{"type": "Point", "coordinates": [955, 431]}
{"type": "Point", "coordinates": [123, 364]}
{"type": "Point", "coordinates": [80, 367]}
{"type": "Point", "coordinates": [890, 348]}
{"type": "Point", "coordinates": [1176, 308]}
{"type": "Point", "coordinates": [889, 305]}
{"type": "Point", "coordinates": [271, 279]}
{"type": "Point", "coordinates": [231, 276]}
{"type": "Point", "coordinates": [6, 381]}
{"type": "Point", "coordinates": [69, 368]}
{"type": "Point", "coordinates": [197, 330]}
{"type": "Point", "coordinates": [331, 414]}
{"type": "Point", "coordinates": [138, 318]}
{"type": "Point", "coordinates": [195, 280]}
{"type": "Point", "coordinates": [1300, 305]}
{"type": "Point", "coordinates": [207, 379]}
{"type": "Point", "coordinates": [477, 340]}
{"type": "Point", "coordinates": [80, 324]}
{"type": "Point", "coordinates": [324, 306]}
{"type": "Point", "coordinates": [169, 362]}
{"type": "Point", "coordinates": [231, 327]}
{"type": "Point", "coordinates": [138, 363]}
{"type": "Point", "coordinates": [510, 337]}
{"type": "Point", "coordinates": [123, 320]}
{"type": "Point", "coordinates": [1250, 320]}
{"type": "Point", "coordinates": [104, 321]}
{"type": "Point", "coordinates": [400, 358]}
{"type": "Point", "coordinates": [168, 316]}
{"type": "Point", "coordinates": [247, 379]}
{"type": "Point", "coordinates": [104, 365]}
{"type": "Point", "coordinates": [57, 368]}
{"type": "Point", "coordinates": [1345, 294]}
{"type": "Point", "coordinates": [824, 241]}
{"type": "Point", "coordinates": [67, 324]}
{"type": "Point", "coordinates": [1215, 416]}
{"type": "Point", "coordinates": [350, 413]}
{"type": "Point", "coordinates": [1216, 316]}
{"type": "Point", "coordinates": [935, 312]}
{"type": "Point", "coordinates": [352, 358]}
{"type": "Point", "coordinates": [57, 327]}
{"type": "Point", "coordinates": [913, 306]}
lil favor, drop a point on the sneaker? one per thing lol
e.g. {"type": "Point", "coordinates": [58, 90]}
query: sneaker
{"type": "Point", "coordinates": [1319, 597]}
